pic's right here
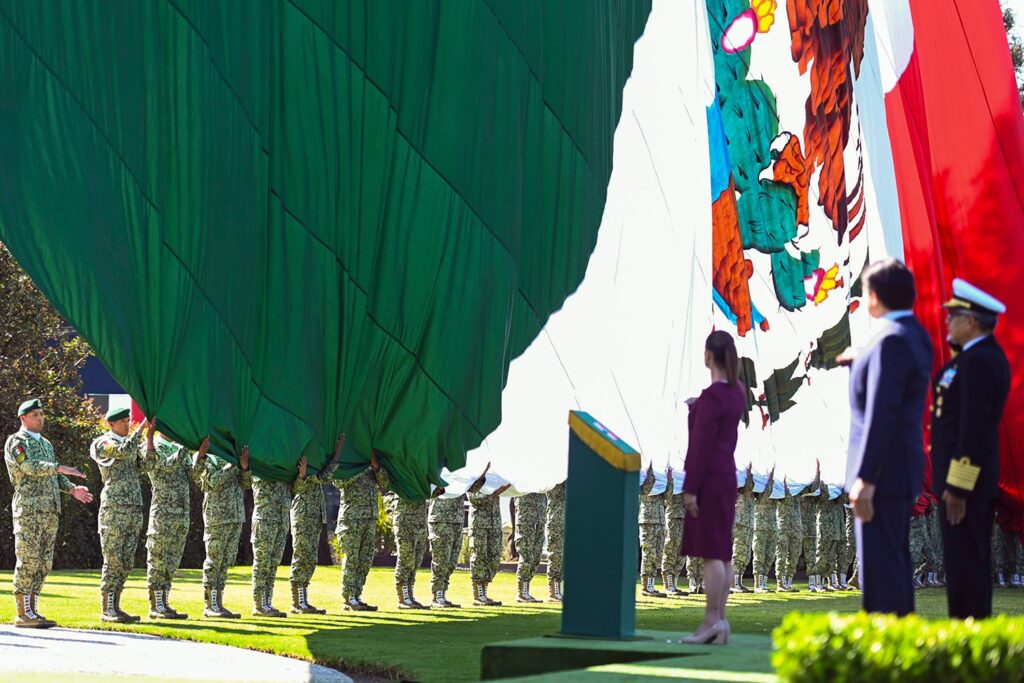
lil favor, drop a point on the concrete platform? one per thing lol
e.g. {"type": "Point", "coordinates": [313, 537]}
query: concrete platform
{"type": "Point", "coordinates": [80, 656]}
{"type": "Point", "coordinates": [653, 655]}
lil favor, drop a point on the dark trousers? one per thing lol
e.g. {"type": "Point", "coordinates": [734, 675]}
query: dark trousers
{"type": "Point", "coordinates": [883, 546]}
{"type": "Point", "coordinates": [967, 548]}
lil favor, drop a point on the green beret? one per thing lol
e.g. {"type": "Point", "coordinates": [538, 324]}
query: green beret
{"type": "Point", "coordinates": [115, 414]}
{"type": "Point", "coordinates": [28, 406]}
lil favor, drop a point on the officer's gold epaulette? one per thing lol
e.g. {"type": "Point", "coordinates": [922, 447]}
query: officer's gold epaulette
{"type": "Point", "coordinates": [962, 474]}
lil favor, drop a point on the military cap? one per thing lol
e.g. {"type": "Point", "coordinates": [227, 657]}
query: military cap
{"type": "Point", "coordinates": [967, 297]}
{"type": "Point", "coordinates": [28, 406]}
{"type": "Point", "coordinates": [115, 414]}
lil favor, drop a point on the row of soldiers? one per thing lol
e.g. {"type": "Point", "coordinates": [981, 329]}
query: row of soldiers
{"type": "Point", "coordinates": [280, 507]}
{"type": "Point", "coordinates": [773, 526]}
{"type": "Point", "coordinates": [776, 525]}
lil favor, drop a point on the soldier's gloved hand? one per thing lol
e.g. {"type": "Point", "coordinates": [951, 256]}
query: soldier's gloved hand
{"type": "Point", "coordinates": [81, 494]}
{"type": "Point", "coordinates": [70, 471]}
{"type": "Point", "coordinates": [302, 467]}
{"type": "Point", "coordinates": [243, 460]}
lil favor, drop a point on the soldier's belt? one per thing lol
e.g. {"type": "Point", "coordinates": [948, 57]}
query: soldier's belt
{"type": "Point", "coordinates": [962, 474]}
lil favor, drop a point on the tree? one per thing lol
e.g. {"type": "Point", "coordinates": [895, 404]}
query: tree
{"type": "Point", "coordinates": [40, 357]}
{"type": "Point", "coordinates": [1016, 48]}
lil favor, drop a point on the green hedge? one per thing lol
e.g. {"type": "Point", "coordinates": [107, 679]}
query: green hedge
{"type": "Point", "coordinates": [872, 647]}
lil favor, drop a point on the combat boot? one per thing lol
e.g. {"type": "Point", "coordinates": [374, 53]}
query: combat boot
{"type": "Point", "coordinates": [672, 585]}
{"type": "Point", "coordinates": [443, 602]}
{"type": "Point", "coordinates": [300, 603]}
{"type": "Point", "coordinates": [109, 611]}
{"type": "Point", "coordinates": [843, 586]}
{"type": "Point", "coordinates": [812, 584]}
{"type": "Point", "coordinates": [931, 581]}
{"type": "Point", "coordinates": [828, 583]}
{"type": "Point", "coordinates": [262, 606]}
{"type": "Point", "coordinates": [405, 600]}
{"type": "Point", "coordinates": [175, 614]}
{"type": "Point", "coordinates": [353, 604]}
{"type": "Point", "coordinates": [762, 585]}
{"type": "Point", "coordinates": [128, 618]}
{"type": "Point", "coordinates": [1001, 580]}
{"type": "Point", "coordinates": [554, 590]}
{"type": "Point", "coordinates": [27, 618]}
{"type": "Point", "coordinates": [780, 585]}
{"type": "Point", "coordinates": [157, 608]}
{"type": "Point", "coordinates": [918, 583]}
{"type": "Point", "coordinates": [35, 610]}
{"type": "Point", "coordinates": [738, 587]}
{"type": "Point", "coordinates": [649, 590]}
{"type": "Point", "coordinates": [480, 595]}
{"type": "Point", "coordinates": [524, 593]}
{"type": "Point", "coordinates": [214, 608]}
{"type": "Point", "coordinates": [792, 588]}
{"type": "Point", "coordinates": [1015, 581]}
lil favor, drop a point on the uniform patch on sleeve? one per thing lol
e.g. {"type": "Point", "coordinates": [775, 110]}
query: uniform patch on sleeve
{"type": "Point", "coordinates": [19, 454]}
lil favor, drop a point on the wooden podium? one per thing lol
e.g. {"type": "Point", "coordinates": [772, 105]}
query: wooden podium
{"type": "Point", "coordinates": [601, 533]}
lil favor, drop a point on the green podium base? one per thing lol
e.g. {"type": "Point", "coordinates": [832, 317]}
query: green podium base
{"type": "Point", "coordinates": [747, 659]}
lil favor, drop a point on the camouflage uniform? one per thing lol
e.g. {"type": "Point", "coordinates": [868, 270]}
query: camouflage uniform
{"type": "Point", "coordinates": [743, 530]}
{"type": "Point", "coordinates": [272, 501]}
{"type": "Point", "coordinates": [357, 529]}
{"type": "Point", "coordinates": [168, 468]}
{"type": "Point", "coordinates": [485, 536]}
{"type": "Point", "coordinates": [764, 535]}
{"type": "Point", "coordinates": [789, 538]}
{"type": "Point", "coordinates": [531, 513]}
{"type": "Point", "coordinates": [672, 562]}
{"type": "Point", "coordinates": [445, 519]}
{"type": "Point", "coordinates": [35, 507]}
{"type": "Point", "coordinates": [809, 511]}
{"type": "Point", "coordinates": [409, 521]}
{"type": "Point", "coordinates": [308, 516]}
{"type": "Point", "coordinates": [222, 484]}
{"type": "Point", "coordinates": [121, 515]}
{"type": "Point", "coordinates": [848, 554]}
{"type": "Point", "coordinates": [830, 536]}
{"type": "Point", "coordinates": [554, 529]}
{"type": "Point", "coordinates": [652, 528]}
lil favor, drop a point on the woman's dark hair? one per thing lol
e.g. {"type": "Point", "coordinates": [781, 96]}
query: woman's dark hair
{"type": "Point", "coordinates": [723, 353]}
{"type": "Point", "coordinates": [893, 284]}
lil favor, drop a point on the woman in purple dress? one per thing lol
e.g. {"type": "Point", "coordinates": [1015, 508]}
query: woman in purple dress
{"type": "Point", "coordinates": [710, 484]}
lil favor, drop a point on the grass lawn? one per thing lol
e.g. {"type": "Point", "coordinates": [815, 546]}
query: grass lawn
{"type": "Point", "coordinates": [423, 645]}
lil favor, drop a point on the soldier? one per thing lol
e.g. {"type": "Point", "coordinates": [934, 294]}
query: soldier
{"type": "Point", "coordinates": [271, 512]}
{"type": "Point", "coordinates": [652, 529]}
{"type": "Point", "coordinates": [531, 513]}
{"type": "Point", "coordinates": [829, 530]}
{"type": "Point", "coordinates": [553, 529]}
{"type": "Point", "coordinates": [168, 465]}
{"type": "Point", "coordinates": [121, 516]}
{"type": "Point", "coordinates": [764, 535]}
{"type": "Point", "coordinates": [848, 548]}
{"type": "Point", "coordinates": [1017, 580]}
{"type": "Point", "coordinates": [810, 501]}
{"type": "Point", "coordinates": [38, 481]}
{"type": "Point", "coordinates": [222, 484]}
{"type": "Point", "coordinates": [409, 521]}
{"type": "Point", "coordinates": [932, 544]}
{"type": "Point", "coordinates": [848, 555]}
{"type": "Point", "coordinates": [969, 395]}
{"type": "Point", "coordinates": [485, 539]}
{"type": "Point", "coordinates": [672, 563]}
{"type": "Point", "coordinates": [743, 533]}
{"type": "Point", "coordinates": [308, 516]}
{"type": "Point", "coordinates": [357, 531]}
{"type": "Point", "coordinates": [788, 539]}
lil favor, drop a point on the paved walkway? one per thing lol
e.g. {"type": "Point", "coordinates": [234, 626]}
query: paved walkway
{"type": "Point", "coordinates": [73, 655]}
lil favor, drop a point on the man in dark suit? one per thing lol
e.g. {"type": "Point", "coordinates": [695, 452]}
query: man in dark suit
{"type": "Point", "coordinates": [967, 404]}
{"type": "Point", "coordinates": [885, 469]}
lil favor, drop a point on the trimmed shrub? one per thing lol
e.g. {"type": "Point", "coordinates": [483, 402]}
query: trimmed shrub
{"type": "Point", "coordinates": [873, 647]}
